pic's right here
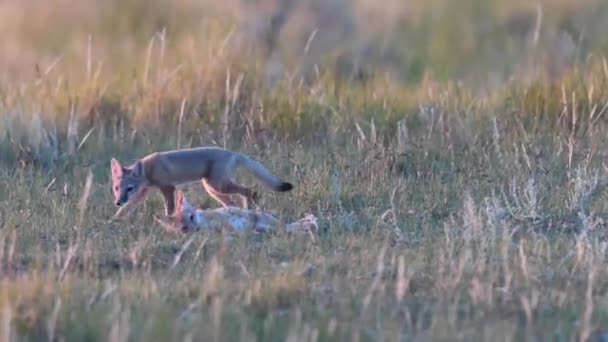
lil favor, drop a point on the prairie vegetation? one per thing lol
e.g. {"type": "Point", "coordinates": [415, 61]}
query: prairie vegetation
{"type": "Point", "coordinates": [453, 151]}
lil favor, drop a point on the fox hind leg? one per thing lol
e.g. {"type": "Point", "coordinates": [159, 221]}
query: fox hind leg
{"type": "Point", "coordinates": [224, 199]}
{"type": "Point", "coordinates": [245, 193]}
{"type": "Point", "coordinates": [221, 180]}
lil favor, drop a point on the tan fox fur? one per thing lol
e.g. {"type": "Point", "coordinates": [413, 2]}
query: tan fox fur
{"type": "Point", "coordinates": [215, 167]}
{"type": "Point", "coordinates": [231, 220]}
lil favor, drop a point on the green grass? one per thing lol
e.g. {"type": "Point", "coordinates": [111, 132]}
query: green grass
{"type": "Point", "coordinates": [457, 175]}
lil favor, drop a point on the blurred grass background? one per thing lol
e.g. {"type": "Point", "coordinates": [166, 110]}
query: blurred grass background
{"type": "Point", "coordinates": [137, 61]}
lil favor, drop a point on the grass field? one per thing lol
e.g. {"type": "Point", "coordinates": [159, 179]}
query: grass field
{"type": "Point", "coordinates": [454, 153]}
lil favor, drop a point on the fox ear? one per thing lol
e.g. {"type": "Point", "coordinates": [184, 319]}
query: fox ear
{"type": "Point", "coordinates": [185, 203]}
{"type": "Point", "coordinates": [138, 169]}
{"type": "Point", "coordinates": [179, 201]}
{"type": "Point", "coordinates": [116, 168]}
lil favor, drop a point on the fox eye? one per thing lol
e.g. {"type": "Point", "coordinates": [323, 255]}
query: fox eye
{"type": "Point", "coordinates": [191, 218]}
{"type": "Point", "coordinates": [129, 188]}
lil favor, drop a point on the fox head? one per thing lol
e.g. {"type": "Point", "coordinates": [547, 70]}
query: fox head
{"type": "Point", "coordinates": [185, 218]}
{"type": "Point", "coordinates": [126, 181]}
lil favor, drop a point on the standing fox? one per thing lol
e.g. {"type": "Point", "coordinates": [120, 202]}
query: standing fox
{"type": "Point", "coordinates": [214, 166]}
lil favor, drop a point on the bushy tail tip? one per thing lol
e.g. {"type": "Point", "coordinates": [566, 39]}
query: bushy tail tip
{"type": "Point", "coordinates": [285, 186]}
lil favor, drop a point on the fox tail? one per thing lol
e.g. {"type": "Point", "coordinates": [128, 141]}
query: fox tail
{"type": "Point", "coordinates": [264, 175]}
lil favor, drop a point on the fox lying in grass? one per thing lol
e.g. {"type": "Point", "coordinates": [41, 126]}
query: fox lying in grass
{"type": "Point", "coordinates": [229, 219]}
{"type": "Point", "coordinates": [214, 166]}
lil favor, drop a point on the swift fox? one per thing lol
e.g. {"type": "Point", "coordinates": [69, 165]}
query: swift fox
{"type": "Point", "coordinates": [215, 167]}
{"type": "Point", "coordinates": [229, 219]}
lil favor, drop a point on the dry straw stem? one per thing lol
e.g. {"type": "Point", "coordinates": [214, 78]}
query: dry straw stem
{"type": "Point", "coordinates": [586, 326]}
{"type": "Point", "coordinates": [82, 204]}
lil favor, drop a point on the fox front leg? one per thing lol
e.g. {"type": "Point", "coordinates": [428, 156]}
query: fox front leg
{"type": "Point", "coordinates": [168, 193]}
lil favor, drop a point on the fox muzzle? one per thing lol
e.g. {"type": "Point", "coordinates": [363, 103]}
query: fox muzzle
{"type": "Point", "coordinates": [121, 201]}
